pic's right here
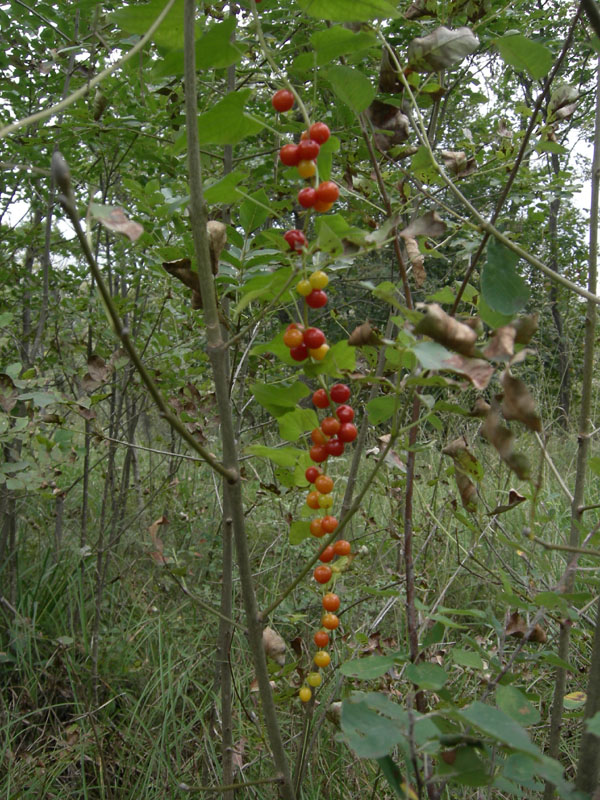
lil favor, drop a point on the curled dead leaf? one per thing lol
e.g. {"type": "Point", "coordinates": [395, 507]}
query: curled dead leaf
{"type": "Point", "coordinates": [441, 48]}
{"type": "Point", "coordinates": [501, 346]}
{"type": "Point", "coordinates": [514, 499]}
{"type": "Point", "coordinates": [480, 408]}
{"type": "Point", "coordinates": [430, 224]}
{"type": "Point", "coordinates": [8, 393]}
{"type": "Point", "coordinates": [478, 371]}
{"type": "Point", "coordinates": [525, 328]}
{"type": "Point", "coordinates": [217, 239]}
{"type": "Point", "coordinates": [457, 163]}
{"type": "Point", "coordinates": [466, 466]}
{"type": "Point", "coordinates": [364, 335]}
{"type": "Point", "coordinates": [446, 330]}
{"type": "Point", "coordinates": [503, 440]}
{"type": "Point", "coordinates": [115, 219]}
{"type": "Point", "coordinates": [417, 259]}
{"type": "Point", "coordinates": [274, 646]}
{"type": "Point", "coordinates": [518, 402]}
{"type": "Point", "coordinates": [518, 628]}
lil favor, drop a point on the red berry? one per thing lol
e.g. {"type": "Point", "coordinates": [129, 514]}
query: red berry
{"type": "Point", "coordinates": [312, 473]}
{"type": "Point", "coordinates": [334, 447]}
{"type": "Point", "coordinates": [331, 602]}
{"type": "Point", "coordinates": [313, 338]}
{"type": "Point", "coordinates": [322, 574]}
{"type": "Point", "coordinates": [307, 197]}
{"type": "Point", "coordinates": [296, 239]}
{"type": "Point", "coordinates": [327, 192]}
{"type": "Point", "coordinates": [330, 426]}
{"type": "Point", "coordinates": [309, 150]}
{"type": "Point", "coordinates": [317, 436]}
{"type": "Point", "coordinates": [341, 547]}
{"type": "Point", "coordinates": [321, 639]}
{"type": "Point", "coordinates": [329, 524]}
{"type": "Point", "coordinates": [345, 413]}
{"type": "Point", "coordinates": [299, 353]}
{"type": "Point", "coordinates": [282, 100]}
{"type": "Point", "coordinates": [320, 399]}
{"type": "Point", "coordinates": [293, 337]}
{"type": "Point", "coordinates": [340, 393]}
{"type": "Point", "coordinates": [317, 298]}
{"type": "Point", "coordinates": [319, 132]}
{"type": "Point", "coordinates": [348, 432]}
{"type": "Point", "coordinates": [288, 155]}
{"type": "Point", "coordinates": [330, 621]}
{"type": "Point", "coordinates": [318, 453]}
{"type": "Point", "coordinates": [328, 554]}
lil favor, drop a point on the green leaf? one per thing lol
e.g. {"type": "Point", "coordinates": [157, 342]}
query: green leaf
{"type": "Point", "coordinates": [279, 398]}
{"type": "Point", "coordinates": [393, 776]}
{"type": "Point", "coordinates": [344, 11]}
{"type": "Point", "coordinates": [525, 55]}
{"type": "Point", "coordinates": [467, 769]}
{"type": "Point", "coordinates": [254, 211]}
{"type": "Point", "coordinates": [214, 49]}
{"type": "Point", "coordinates": [369, 667]}
{"type": "Point", "coordinates": [514, 703]}
{"type": "Point", "coordinates": [593, 724]}
{"type": "Point", "coordinates": [426, 675]}
{"type": "Point", "coordinates": [338, 41]}
{"type": "Point", "coordinates": [328, 241]}
{"type": "Point", "coordinates": [503, 289]}
{"type": "Point", "coordinates": [381, 408]}
{"type": "Point", "coordinates": [138, 17]}
{"type": "Point", "coordinates": [223, 190]}
{"type": "Point", "coordinates": [227, 121]}
{"type": "Point", "coordinates": [293, 424]}
{"type": "Point", "coordinates": [340, 358]}
{"type": "Point", "coordinates": [466, 658]}
{"type": "Point", "coordinates": [299, 531]}
{"type": "Point", "coordinates": [352, 87]}
{"type": "Point", "coordinates": [491, 317]}
{"type": "Point", "coordinates": [265, 287]}
{"type": "Point", "coordinates": [366, 730]}
{"type": "Point", "coordinates": [594, 464]}
{"type": "Point", "coordinates": [499, 726]}
{"type": "Point", "coordinates": [283, 456]}
{"type": "Point", "coordinates": [423, 167]}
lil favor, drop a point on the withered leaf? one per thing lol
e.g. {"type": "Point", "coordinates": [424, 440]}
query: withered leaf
{"type": "Point", "coordinates": [465, 467]}
{"type": "Point", "coordinates": [417, 259]}
{"type": "Point", "coordinates": [563, 102]}
{"type": "Point", "coordinates": [514, 499]}
{"type": "Point", "coordinates": [504, 130]}
{"type": "Point", "coordinates": [8, 393]}
{"type": "Point", "coordinates": [480, 408]}
{"type": "Point", "coordinates": [518, 628]}
{"type": "Point", "coordinates": [501, 346]}
{"type": "Point", "coordinates": [115, 219]}
{"type": "Point", "coordinates": [391, 125]}
{"type": "Point", "coordinates": [237, 756]}
{"type": "Point", "coordinates": [217, 239]}
{"type": "Point", "coordinates": [418, 9]}
{"type": "Point", "coordinates": [525, 328]}
{"type": "Point", "coordinates": [503, 440]}
{"type": "Point", "coordinates": [478, 371]}
{"type": "Point", "coordinates": [364, 335]}
{"type": "Point", "coordinates": [446, 330]}
{"type": "Point", "coordinates": [430, 224]}
{"type": "Point", "coordinates": [274, 646]}
{"type": "Point", "coordinates": [98, 369]}
{"type": "Point", "coordinates": [158, 554]}
{"type": "Point", "coordinates": [442, 48]}
{"type": "Point", "coordinates": [518, 402]}
{"type": "Point", "coordinates": [457, 162]}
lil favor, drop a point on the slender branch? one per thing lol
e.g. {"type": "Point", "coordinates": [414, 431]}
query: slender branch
{"type": "Point", "coordinates": [205, 606]}
{"type": "Point", "coordinates": [232, 491]}
{"type": "Point", "coordinates": [67, 200]}
{"type": "Point", "coordinates": [232, 786]}
{"type": "Point", "coordinates": [83, 90]}
{"type": "Point", "coordinates": [565, 548]}
{"type": "Point", "coordinates": [150, 449]}
{"type": "Point", "coordinates": [553, 467]}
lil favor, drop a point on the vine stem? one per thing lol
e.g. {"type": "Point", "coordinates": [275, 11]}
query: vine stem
{"type": "Point", "coordinates": [232, 490]}
{"type": "Point", "coordinates": [83, 90]}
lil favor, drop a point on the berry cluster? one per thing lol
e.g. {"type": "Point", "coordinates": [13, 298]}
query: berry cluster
{"type": "Point", "coordinates": [337, 428]}
{"type": "Point", "coordinates": [305, 342]}
{"type": "Point", "coordinates": [329, 439]}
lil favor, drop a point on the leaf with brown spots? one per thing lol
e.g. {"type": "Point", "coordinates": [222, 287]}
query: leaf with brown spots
{"type": "Point", "coordinates": [518, 402]}
{"type": "Point", "coordinates": [115, 219]}
{"type": "Point", "coordinates": [446, 330]}
{"type": "Point", "coordinates": [503, 440]}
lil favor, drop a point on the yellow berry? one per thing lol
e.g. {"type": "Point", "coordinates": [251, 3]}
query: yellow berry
{"type": "Point", "coordinates": [314, 679]}
{"type": "Point", "coordinates": [306, 169]}
{"type": "Point", "coordinates": [305, 694]}
{"type": "Point", "coordinates": [318, 353]}
{"type": "Point", "coordinates": [325, 501]}
{"type": "Point", "coordinates": [304, 288]}
{"type": "Point", "coordinates": [318, 279]}
{"type": "Point", "coordinates": [322, 658]}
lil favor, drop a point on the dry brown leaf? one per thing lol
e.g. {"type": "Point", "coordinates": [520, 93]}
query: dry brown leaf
{"type": "Point", "coordinates": [480, 408]}
{"type": "Point", "coordinates": [514, 499]}
{"type": "Point", "coordinates": [478, 371]}
{"type": "Point", "coordinates": [158, 555]}
{"type": "Point", "coordinates": [237, 755]}
{"type": "Point", "coordinates": [274, 646]}
{"type": "Point", "coordinates": [503, 440]}
{"type": "Point", "coordinates": [518, 628]}
{"type": "Point", "coordinates": [430, 224]}
{"type": "Point", "coordinates": [391, 125]}
{"type": "Point", "coordinates": [501, 347]}
{"type": "Point", "coordinates": [458, 164]}
{"type": "Point", "coordinates": [115, 219]}
{"type": "Point", "coordinates": [465, 464]}
{"type": "Point", "coordinates": [446, 330]}
{"type": "Point", "coordinates": [518, 402]}
{"type": "Point", "coordinates": [364, 335]}
{"type": "Point", "coordinates": [217, 239]}
{"type": "Point", "coordinates": [417, 259]}
{"type": "Point", "coordinates": [525, 328]}
{"type": "Point", "coordinates": [98, 369]}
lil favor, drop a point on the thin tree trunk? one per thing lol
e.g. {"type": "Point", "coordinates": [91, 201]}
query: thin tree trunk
{"type": "Point", "coordinates": [582, 452]}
